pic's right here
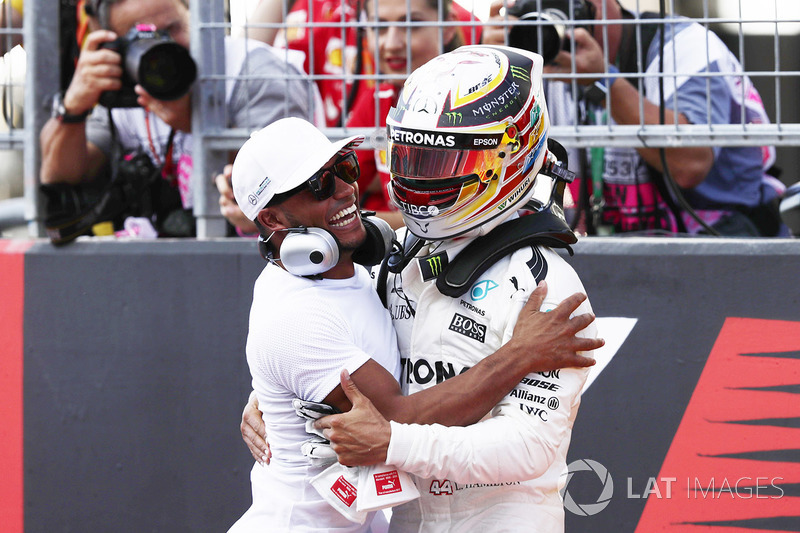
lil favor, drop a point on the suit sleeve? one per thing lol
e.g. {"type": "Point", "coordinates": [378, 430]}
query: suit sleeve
{"type": "Point", "coordinates": [519, 441]}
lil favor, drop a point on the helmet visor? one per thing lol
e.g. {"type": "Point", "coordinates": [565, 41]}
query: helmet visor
{"type": "Point", "coordinates": [424, 163]}
{"type": "Point", "coordinates": [422, 155]}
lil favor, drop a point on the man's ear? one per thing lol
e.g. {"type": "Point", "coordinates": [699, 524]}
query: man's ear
{"type": "Point", "coordinates": [270, 218]}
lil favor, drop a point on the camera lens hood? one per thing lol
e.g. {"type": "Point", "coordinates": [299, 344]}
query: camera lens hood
{"type": "Point", "coordinates": [164, 68]}
{"type": "Point", "coordinates": [548, 35]}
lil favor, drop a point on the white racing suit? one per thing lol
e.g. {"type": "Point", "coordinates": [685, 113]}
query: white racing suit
{"type": "Point", "coordinates": [504, 473]}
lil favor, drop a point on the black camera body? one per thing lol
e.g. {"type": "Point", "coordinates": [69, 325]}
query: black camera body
{"type": "Point", "coordinates": [152, 59]}
{"type": "Point", "coordinates": [137, 190]}
{"type": "Point", "coordinates": [72, 210]}
{"type": "Point", "coordinates": [554, 15]}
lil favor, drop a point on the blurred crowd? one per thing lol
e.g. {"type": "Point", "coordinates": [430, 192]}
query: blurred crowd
{"type": "Point", "coordinates": [123, 144]}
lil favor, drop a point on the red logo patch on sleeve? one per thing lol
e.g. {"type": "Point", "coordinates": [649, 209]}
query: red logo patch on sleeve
{"type": "Point", "coordinates": [387, 483]}
{"type": "Point", "coordinates": [344, 490]}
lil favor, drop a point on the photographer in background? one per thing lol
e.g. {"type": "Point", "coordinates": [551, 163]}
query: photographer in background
{"type": "Point", "coordinates": [631, 189]}
{"type": "Point", "coordinates": [131, 163]}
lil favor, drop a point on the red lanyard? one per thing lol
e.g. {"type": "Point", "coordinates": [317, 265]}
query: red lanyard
{"type": "Point", "coordinates": [168, 166]}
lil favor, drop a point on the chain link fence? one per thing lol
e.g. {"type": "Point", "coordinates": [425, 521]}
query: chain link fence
{"type": "Point", "coordinates": [763, 35]}
{"type": "Point", "coordinates": [12, 77]}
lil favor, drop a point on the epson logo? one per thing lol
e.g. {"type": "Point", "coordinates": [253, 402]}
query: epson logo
{"type": "Point", "coordinates": [427, 139]}
{"type": "Point", "coordinates": [486, 141]}
{"type": "Point", "coordinates": [468, 327]}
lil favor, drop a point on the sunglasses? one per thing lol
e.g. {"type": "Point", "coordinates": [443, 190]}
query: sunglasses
{"type": "Point", "coordinates": [323, 183]}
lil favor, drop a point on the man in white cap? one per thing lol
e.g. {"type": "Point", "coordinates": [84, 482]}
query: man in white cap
{"type": "Point", "coordinates": [315, 315]}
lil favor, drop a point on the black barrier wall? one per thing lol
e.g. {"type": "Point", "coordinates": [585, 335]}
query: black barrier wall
{"type": "Point", "coordinates": [135, 375]}
{"type": "Point", "coordinates": [135, 378]}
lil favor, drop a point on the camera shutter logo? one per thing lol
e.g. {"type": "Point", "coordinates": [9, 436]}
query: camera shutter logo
{"type": "Point", "coordinates": [588, 509]}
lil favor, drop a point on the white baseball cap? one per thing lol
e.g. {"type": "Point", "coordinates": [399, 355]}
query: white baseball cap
{"type": "Point", "coordinates": [278, 158]}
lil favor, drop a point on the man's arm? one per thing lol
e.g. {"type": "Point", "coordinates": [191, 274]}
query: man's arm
{"type": "Point", "coordinates": [530, 432]}
{"type": "Point", "coordinates": [255, 435]}
{"type": "Point", "coordinates": [266, 12]}
{"type": "Point", "coordinates": [531, 423]}
{"type": "Point", "coordinates": [67, 156]}
{"type": "Point", "coordinates": [497, 27]}
{"type": "Point", "coordinates": [541, 341]}
{"type": "Point", "coordinates": [227, 203]}
{"type": "Point", "coordinates": [177, 114]}
{"type": "Point", "coordinates": [690, 165]}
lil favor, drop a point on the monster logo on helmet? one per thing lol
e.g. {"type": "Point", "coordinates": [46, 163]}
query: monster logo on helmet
{"type": "Point", "coordinates": [490, 100]}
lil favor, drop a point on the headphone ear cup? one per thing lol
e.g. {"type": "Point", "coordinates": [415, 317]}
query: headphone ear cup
{"type": "Point", "coordinates": [310, 252]}
{"type": "Point", "coordinates": [378, 243]}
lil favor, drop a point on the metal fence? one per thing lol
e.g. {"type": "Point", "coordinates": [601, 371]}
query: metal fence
{"type": "Point", "coordinates": [12, 78]}
{"type": "Point", "coordinates": [765, 44]}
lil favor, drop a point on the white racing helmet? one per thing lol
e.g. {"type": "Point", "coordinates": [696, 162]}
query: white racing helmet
{"type": "Point", "coordinates": [467, 140]}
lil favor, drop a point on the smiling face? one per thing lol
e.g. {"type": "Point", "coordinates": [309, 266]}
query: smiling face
{"type": "Point", "coordinates": [393, 41]}
{"type": "Point", "coordinates": [338, 215]}
{"type": "Point", "coordinates": [169, 15]}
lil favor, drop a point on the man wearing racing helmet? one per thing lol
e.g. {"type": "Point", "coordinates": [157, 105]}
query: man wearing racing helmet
{"type": "Point", "coordinates": [460, 161]}
{"type": "Point", "coordinates": [314, 313]}
{"type": "Point", "coordinates": [467, 150]}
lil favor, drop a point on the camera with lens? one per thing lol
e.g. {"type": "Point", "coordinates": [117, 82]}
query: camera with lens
{"type": "Point", "coordinates": [153, 60]}
{"type": "Point", "coordinates": [548, 37]}
{"type": "Point", "coordinates": [73, 210]}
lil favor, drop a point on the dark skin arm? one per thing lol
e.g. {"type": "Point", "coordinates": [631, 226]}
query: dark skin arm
{"type": "Point", "coordinates": [689, 165]}
{"type": "Point", "coordinates": [541, 341]}
{"type": "Point", "coordinates": [361, 436]}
